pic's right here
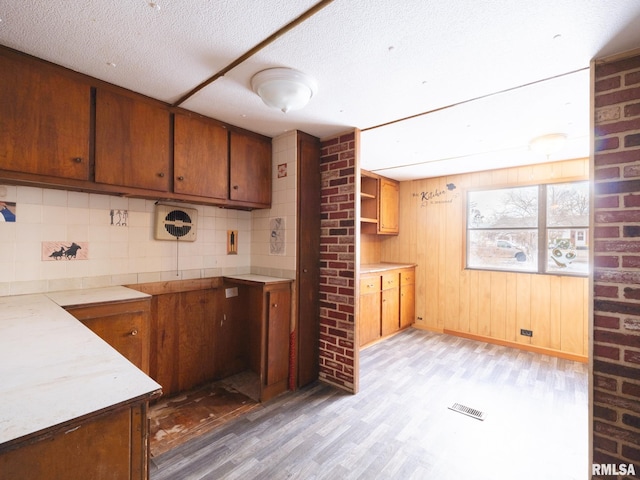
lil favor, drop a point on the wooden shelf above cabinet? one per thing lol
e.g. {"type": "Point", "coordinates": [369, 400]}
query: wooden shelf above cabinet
{"type": "Point", "coordinates": [379, 204]}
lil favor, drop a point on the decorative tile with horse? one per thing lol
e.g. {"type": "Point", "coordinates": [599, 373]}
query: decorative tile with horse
{"type": "Point", "coordinates": [65, 251]}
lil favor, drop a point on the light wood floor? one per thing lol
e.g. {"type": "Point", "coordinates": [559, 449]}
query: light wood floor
{"type": "Point", "coordinates": [399, 425]}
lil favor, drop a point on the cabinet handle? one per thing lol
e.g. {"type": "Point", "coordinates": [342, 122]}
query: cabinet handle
{"type": "Point", "coordinates": [370, 285]}
{"type": "Point", "coordinates": [304, 270]}
{"type": "Point", "coordinates": [134, 332]}
{"type": "Point", "coordinates": [161, 174]}
{"type": "Point", "coordinates": [78, 159]}
{"type": "Point", "coordinates": [180, 178]}
{"type": "Point", "coordinates": [275, 305]}
{"type": "Point", "coordinates": [235, 187]}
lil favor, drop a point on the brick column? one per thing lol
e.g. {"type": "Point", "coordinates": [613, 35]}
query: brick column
{"type": "Point", "coordinates": [338, 355]}
{"type": "Point", "coordinates": [616, 271]}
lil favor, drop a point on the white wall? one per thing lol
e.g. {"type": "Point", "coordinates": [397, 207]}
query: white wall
{"type": "Point", "coordinates": [283, 205]}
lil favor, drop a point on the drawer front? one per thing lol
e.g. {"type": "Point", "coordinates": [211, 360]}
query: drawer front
{"type": "Point", "coordinates": [369, 284]}
{"type": "Point", "coordinates": [407, 277]}
{"type": "Point", "coordinates": [390, 280]}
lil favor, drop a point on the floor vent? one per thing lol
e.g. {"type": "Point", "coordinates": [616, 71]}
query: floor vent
{"type": "Point", "coordinates": [472, 412]}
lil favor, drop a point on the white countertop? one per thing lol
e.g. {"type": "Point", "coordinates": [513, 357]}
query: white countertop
{"type": "Point", "coordinates": [54, 369]}
{"type": "Point", "coordinates": [250, 277]}
{"type": "Point", "coordinates": [95, 295]}
{"type": "Point", "coordinates": [381, 267]}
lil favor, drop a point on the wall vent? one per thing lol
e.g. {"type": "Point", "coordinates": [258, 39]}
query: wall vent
{"type": "Point", "coordinates": [176, 223]}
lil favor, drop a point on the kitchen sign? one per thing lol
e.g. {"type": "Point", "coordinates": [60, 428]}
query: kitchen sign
{"type": "Point", "coordinates": [437, 196]}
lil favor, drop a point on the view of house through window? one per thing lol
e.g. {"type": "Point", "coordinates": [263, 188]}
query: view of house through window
{"type": "Point", "coordinates": [539, 228]}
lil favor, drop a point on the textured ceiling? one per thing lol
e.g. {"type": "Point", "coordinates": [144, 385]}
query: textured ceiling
{"type": "Point", "coordinates": [478, 79]}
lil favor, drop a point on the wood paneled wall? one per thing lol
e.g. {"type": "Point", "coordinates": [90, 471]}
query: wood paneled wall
{"type": "Point", "coordinates": [493, 306]}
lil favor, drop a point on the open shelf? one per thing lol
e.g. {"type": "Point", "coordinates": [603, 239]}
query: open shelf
{"type": "Point", "coordinates": [368, 203]}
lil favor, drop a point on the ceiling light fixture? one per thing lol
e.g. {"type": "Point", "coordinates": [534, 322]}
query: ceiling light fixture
{"type": "Point", "coordinates": [548, 144]}
{"type": "Point", "coordinates": [284, 88]}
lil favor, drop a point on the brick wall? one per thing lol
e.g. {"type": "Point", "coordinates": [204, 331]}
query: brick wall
{"type": "Point", "coordinates": [338, 355]}
{"type": "Point", "coordinates": [616, 231]}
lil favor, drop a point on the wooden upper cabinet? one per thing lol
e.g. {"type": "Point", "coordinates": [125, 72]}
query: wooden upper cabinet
{"type": "Point", "coordinates": [45, 119]}
{"type": "Point", "coordinates": [379, 204]}
{"type": "Point", "coordinates": [250, 169]}
{"type": "Point", "coordinates": [132, 142]}
{"type": "Point", "coordinates": [389, 194]}
{"type": "Point", "coordinates": [201, 157]}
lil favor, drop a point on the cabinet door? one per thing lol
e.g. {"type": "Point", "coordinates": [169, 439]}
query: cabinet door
{"type": "Point", "coordinates": [407, 305]}
{"type": "Point", "coordinates": [113, 446]}
{"type": "Point", "coordinates": [45, 120]}
{"type": "Point", "coordinates": [407, 298]}
{"type": "Point", "coordinates": [250, 169]}
{"type": "Point", "coordinates": [278, 321]}
{"type": "Point", "coordinates": [132, 142]}
{"type": "Point", "coordinates": [201, 157]}
{"type": "Point", "coordinates": [195, 344]}
{"type": "Point", "coordinates": [230, 342]}
{"type": "Point", "coordinates": [308, 258]}
{"type": "Point", "coordinates": [389, 206]}
{"type": "Point", "coordinates": [370, 304]}
{"type": "Point", "coordinates": [123, 325]}
{"type": "Point", "coordinates": [164, 342]}
{"type": "Point", "coordinates": [390, 311]}
{"type": "Point", "coordinates": [390, 303]}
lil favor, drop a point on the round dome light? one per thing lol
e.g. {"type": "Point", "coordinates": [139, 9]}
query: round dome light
{"type": "Point", "coordinates": [284, 88]}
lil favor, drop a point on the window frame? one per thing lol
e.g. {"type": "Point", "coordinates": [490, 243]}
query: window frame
{"type": "Point", "coordinates": [542, 228]}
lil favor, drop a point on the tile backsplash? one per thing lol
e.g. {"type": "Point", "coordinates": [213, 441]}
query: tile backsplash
{"type": "Point", "coordinates": [118, 253]}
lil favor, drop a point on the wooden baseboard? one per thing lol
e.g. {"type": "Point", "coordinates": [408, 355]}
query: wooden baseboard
{"type": "Point", "coordinates": [521, 346]}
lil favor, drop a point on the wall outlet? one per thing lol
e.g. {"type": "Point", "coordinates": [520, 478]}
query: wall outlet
{"type": "Point", "coordinates": [526, 333]}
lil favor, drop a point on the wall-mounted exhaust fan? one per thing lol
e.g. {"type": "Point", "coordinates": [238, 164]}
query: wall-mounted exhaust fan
{"type": "Point", "coordinates": [176, 223]}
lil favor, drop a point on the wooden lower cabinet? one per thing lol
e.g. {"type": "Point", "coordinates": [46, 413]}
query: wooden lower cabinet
{"type": "Point", "coordinates": [387, 303]}
{"type": "Point", "coordinates": [407, 297]}
{"type": "Point", "coordinates": [110, 446]}
{"type": "Point", "coordinates": [267, 319]}
{"type": "Point", "coordinates": [123, 324]}
{"type": "Point", "coordinates": [370, 302]}
{"type": "Point", "coordinates": [390, 314]}
{"type": "Point", "coordinates": [187, 339]}
{"type": "Point", "coordinates": [208, 329]}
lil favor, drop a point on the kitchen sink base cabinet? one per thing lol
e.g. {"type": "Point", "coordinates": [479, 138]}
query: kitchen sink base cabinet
{"type": "Point", "coordinates": [267, 314]}
{"type": "Point", "coordinates": [204, 330]}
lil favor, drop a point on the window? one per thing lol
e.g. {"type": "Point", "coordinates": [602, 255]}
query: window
{"type": "Point", "coordinates": [537, 229]}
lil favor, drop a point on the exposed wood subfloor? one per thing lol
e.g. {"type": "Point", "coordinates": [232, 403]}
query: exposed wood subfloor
{"type": "Point", "coordinates": [177, 419]}
{"type": "Point", "coordinates": [399, 425]}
